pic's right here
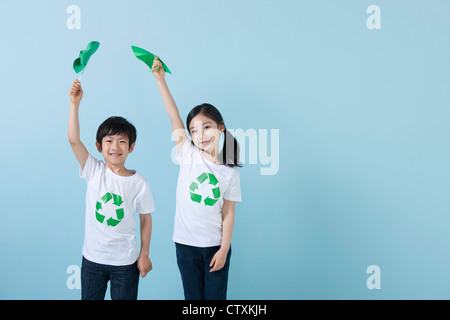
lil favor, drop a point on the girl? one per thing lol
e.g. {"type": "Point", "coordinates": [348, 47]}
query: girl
{"type": "Point", "coordinates": [208, 187]}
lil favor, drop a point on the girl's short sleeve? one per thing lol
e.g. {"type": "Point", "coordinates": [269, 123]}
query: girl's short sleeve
{"type": "Point", "coordinates": [185, 152]}
{"type": "Point", "coordinates": [233, 192]}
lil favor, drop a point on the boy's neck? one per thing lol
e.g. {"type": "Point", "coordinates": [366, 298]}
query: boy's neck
{"type": "Point", "coordinates": [119, 169]}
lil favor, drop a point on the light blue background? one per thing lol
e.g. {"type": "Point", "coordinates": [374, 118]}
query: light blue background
{"type": "Point", "coordinates": [363, 117]}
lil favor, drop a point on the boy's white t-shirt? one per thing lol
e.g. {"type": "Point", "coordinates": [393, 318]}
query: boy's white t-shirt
{"type": "Point", "coordinates": [202, 186]}
{"type": "Point", "coordinates": [111, 201]}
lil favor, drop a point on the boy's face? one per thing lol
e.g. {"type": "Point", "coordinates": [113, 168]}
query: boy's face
{"type": "Point", "coordinates": [115, 148]}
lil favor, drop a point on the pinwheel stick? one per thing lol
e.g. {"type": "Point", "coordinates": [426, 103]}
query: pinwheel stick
{"type": "Point", "coordinates": [81, 73]}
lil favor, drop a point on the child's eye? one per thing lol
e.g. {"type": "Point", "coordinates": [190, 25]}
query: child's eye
{"type": "Point", "coordinates": [193, 131]}
{"type": "Point", "coordinates": [207, 127]}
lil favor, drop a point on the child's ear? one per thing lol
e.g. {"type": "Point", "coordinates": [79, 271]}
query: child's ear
{"type": "Point", "coordinates": [221, 128]}
{"type": "Point", "coordinates": [99, 147]}
{"type": "Point", "coordinates": [132, 147]}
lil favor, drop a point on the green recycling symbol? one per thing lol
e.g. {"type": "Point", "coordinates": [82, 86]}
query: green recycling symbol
{"type": "Point", "coordinates": [117, 201]}
{"type": "Point", "coordinates": [195, 186]}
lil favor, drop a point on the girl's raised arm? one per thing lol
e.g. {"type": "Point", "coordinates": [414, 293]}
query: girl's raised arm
{"type": "Point", "coordinates": [179, 132]}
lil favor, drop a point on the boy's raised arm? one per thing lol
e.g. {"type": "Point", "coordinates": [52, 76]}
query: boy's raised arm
{"type": "Point", "coordinates": [178, 129]}
{"type": "Point", "coordinates": [78, 148]}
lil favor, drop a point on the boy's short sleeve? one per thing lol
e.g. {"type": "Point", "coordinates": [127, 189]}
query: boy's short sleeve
{"type": "Point", "coordinates": [90, 167]}
{"type": "Point", "coordinates": [233, 192]}
{"type": "Point", "coordinates": [144, 201]}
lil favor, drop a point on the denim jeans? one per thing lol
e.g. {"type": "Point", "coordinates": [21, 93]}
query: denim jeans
{"type": "Point", "coordinates": [198, 282]}
{"type": "Point", "coordinates": [94, 279]}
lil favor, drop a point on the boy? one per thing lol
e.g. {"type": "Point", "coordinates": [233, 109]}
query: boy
{"type": "Point", "coordinates": [114, 193]}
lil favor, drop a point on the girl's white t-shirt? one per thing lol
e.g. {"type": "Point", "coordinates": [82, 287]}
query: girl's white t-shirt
{"type": "Point", "coordinates": [111, 200]}
{"type": "Point", "coordinates": [202, 186]}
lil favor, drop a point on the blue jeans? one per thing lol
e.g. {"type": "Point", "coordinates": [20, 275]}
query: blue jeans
{"type": "Point", "coordinates": [198, 282]}
{"type": "Point", "coordinates": [95, 277]}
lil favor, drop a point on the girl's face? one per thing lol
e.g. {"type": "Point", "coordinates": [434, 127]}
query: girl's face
{"type": "Point", "coordinates": [205, 133]}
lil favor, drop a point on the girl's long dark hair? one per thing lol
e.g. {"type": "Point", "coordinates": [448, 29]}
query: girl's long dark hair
{"type": "Point", "coordinates": [230, 150]}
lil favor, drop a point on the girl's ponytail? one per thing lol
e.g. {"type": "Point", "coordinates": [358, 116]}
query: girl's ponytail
{"type": "Point", "coordinates": [230, 150]}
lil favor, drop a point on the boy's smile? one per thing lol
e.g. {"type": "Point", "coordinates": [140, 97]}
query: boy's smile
{"type": "Point", "coordinates": [115, 154]}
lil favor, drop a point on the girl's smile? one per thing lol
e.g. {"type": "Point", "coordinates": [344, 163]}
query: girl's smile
{"type": "Point", "coordinates": [208, 141]}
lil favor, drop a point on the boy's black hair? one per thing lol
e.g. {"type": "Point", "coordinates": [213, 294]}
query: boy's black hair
{"type": "Point", "coordinates": [116, 125]}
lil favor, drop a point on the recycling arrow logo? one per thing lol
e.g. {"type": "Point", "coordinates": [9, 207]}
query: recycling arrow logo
{"type": "Point", "coordinates": [212, 180]}
{"type": "Point", "coordinates": [117, 201]}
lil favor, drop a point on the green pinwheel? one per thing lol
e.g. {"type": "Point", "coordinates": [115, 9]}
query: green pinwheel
{"type": "Point", "coordinates": [80, 63]}
{"type": "Point", "coordinates": [147, 58]}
